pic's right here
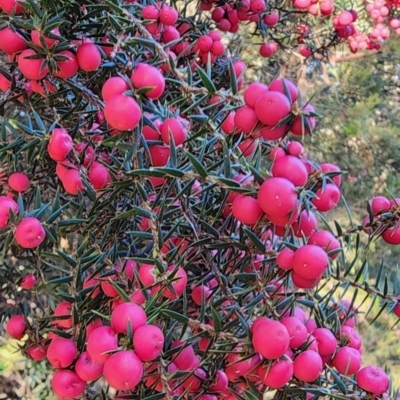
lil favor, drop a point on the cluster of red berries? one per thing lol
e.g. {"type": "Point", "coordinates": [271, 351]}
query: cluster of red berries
{"type": "Point", "coordinates": [384, 219]}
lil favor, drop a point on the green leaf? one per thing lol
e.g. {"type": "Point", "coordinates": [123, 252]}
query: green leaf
{"type": "Point", "coordinates": [207, 82]}
{"type": "Point", "coordinates": [197, 165]}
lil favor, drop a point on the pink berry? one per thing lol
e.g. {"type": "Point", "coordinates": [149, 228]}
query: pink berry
{"type": "Point", "coordinates": [100, 342]}
{"type": "Point", "coordinates": [325, 240]}
{"type": "Point", "coordinates": [16, 327]}
{"type": "Point", "coordinates": [307, 366]}
{"type": "Point", "coordinates": [272, 107]}
{"type": "Point", "coordinates": [30, 233]}
{"type": "Point", "coordinates": [347, 360]}
{"type": "Point", "coordinates": [297, 331]}
{"type": "Point", "coordinates": [66, 384]}
{"type": "Point", "coordinates": [246, 209]}
{"type": "Point", "coordinates": [326, 340]}
{"type": "Point", "coordinates": [113, 86]}
{"type": "Point", "coordinates": [276, 375]}
{"type": "Point", "coordinates": [127, 313]}
{"type": "Point", "coordinates": [291, 168]}
{"type": "Point", "coordinates": [18, 181]}
{"type": "Point", "coordinates": [253, 92]}
{"type": "Point", "coordinates": [279, 86]}
{"type": "Point", "coordinates": [28, 282]}
{"type": "Point", "coordinates": [271, 339]}
{"type": "Point", "coordinates": [310, 261]}
{"type": "Point", "coordinates": [148, 341]}
{"type": "Point", "coordinates": [147, 76]}
{"type": "Point", "coordinates": [61, 352]}
{"type": "Point", "coordinates": [63, 309]}
{"type": "Point", "coordinates": [373, 379]}
{"type": "Point", "coordinates": [122, 112]}
{"type": "Point", "coordinates": [285, 259]}
{"type": "Point", "coordinates": [326, 198]}
{"type": "Point", "coordinates": [87, 369]}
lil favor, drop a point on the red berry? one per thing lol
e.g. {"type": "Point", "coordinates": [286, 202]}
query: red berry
{"type": "Point", "coordinates": [37, 38]}
{"type": "Point", "coordinates": [347, 360]}
{"type": "Point", "coordinates": [270, 339]}
{"type": "Point", "coordinates": [28, 282]}
{"type": "Point", "coordinates": [168, 15]}
{"type": "Point", "coordinates": [16, 327]}
{"type": "Point", "coordinates": [11, 42]}
{"type": "Point", "coordinates": [246, 209]}
{"type": "Point", "coordinates": [88, 369]}
{"type": "Point", "coordinates": [326, 240]}
{"type": "Point", "coordinates": [34, 69]}
{"type": "Point", "coordinates": [67, 68]}
{"type": "Point", "coordinates": [72, 182]}
{"type": "Point", "coordinates": [18, 181]}
{"type": "Point", "coordinates": [127, 313]}
{"type": "Point", "coordinates": [310, 261]}
{"type": "Point", "coordinates": [373, 380]}
{"type": "Point", "coordinates": [297, 331]}
{"type": "Point", "coordinates": [326, 340]}
{"type": "Point", "coordinates": [276, 375]}
{"type": "Point", "coordinates": [100, 342]}
{"type": "Point", "coordinates": [122, 112]}
{"type": "Point", "coordinates": [66, 384]}
{"type": "Point", "coordinates": [63, 309]}
{"type": "Point", "coordinates": [60, 144]}
{"type": "Point", "coordinates": [61, 352]}
{"type": "Point", "coordinates": [88, 56]}
{"type": "Point", "coordinates": [174, 127]}
{"type": "Point", "coordinates": [279, 86]}
{"type": "Point", "coordinates": [112, 86]}
{"type": "Point", "coordinates": [307, 366]}
{"type": "Point", "coordinates": [148, 341]}
{"type": "Point", "coordinates": [285, 259]}
{"type": "Point", "coordinates": [98, 175]}
{"type": "Point", "coordinates": [123, 370]}
{"type": "Point", "coordinates": [271, 107]}
{"type": "Point", "coordinates": [11, 6]}
{"type": "Point", "coordinates": [326, 198]}
{"type": "Point", "coordinates": [159, 155]}
{"type": "Point", "coordinates": [253, 92]}
{"type": "Point", "coordinates": [277, 196]}
{"type": "Point", "coordinates": [147, 76]}
{"type": "Point", "coordinates": [291, 168]}
{"type": "Point", "coordinates": [30, 233]}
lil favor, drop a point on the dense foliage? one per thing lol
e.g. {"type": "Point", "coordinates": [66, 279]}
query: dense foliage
{"type": "Point", "coordinates": [171, 230]}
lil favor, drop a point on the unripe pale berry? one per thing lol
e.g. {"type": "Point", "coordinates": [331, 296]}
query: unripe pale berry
{"type": "Point", "coordinates": [30, 233]}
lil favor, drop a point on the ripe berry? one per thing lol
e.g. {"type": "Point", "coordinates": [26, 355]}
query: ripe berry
{"type": "Point", "coordinates": [271, 339]}
{"type": "Point", "coordinates": [326, 198]}
{"type": "Point", "coordinates": [201, 294]}
{"type": "Point", "coordinates": [66, 384]}
{"type": "Point", "coordinates": [88, 369]}
{"type": "Point", "coordinates": [220, 383]}
{"type": "Point", "coordinates": [347, 360]}
{"type": "Point", "coordinates": [11, 6]}
{"type": "Point", "coordinates": [291, 168]}
{"type": "Point", "coordinates": [112, 86]}
{"type": "Point", "coordinates": [61, 352]}
{"type": "Point", "coordinates": [37, 352]}
{"type": "Point", "coordinates": [353, 339]}
{"type": "Point", "coordinates": [33, 69]}
{"type": "Point", "coordinates": [326, 340]}
{"type": "Point", "coordinates": [37, 38]}
{"type": "Point", "coordinates": [183, 358]}
{"type": "Point", "coordinates": [276, 375]}
{"type": "Point", "coordinates": [228, 125]}
{"type": "Point", "coordinates": [271, 107]}
{"type": "Point", "coordinates": [100, 342]}
{"type": "Point", "coordinates": [380, 204]}
{"type": "Point", "coordinates": [11, 42]}
{"type": "Point", "coordinates": [16, 327]}
{"type": "Point", "coordinates": [328, 167]}
{"type": "Point", "coordinates": [122, 112]}
{"type": "Point", "coordinates": [297, 331]}
{"type": "Point", "coordinates": [278, 85]}
{"type": "Point", "coordinates": [325, 240]}
{"type": "Point", "coordinates": [303, 283]}
{"type": "Point", "coordinates": [246, 120]}
{"type": "Point", "coordinates": [7, 205]}
{"type": "Point", "coordinates": [268, 49]}
{"type": "Point", "coordinates": [63, 309]}
{"type": "Point", "coordinates": [285, 259]}
{"type": "Point", "coordinates": [123, 370]}
{"type": "Point", "coordinates": [174, 127]}
{"type": "Point", "coordinates": [30, 233]}
{"type": "Point", "coordinates": [28, 282]}
{"type": "Point", "coordinates": [253, 92]}
{"type": "Point", "coordinates": [147, 76]}
{"type": "Point", "coordinates": [60, 144]}
{"type": "Point", "coordinates": [274, 133]}
{"type": "Point", "coordinates": [98, 175]}
{"type": "Point", "coordinates": [72, 182]}
{"type": "Point", "coordinates": [89, 57]}
{"type": "Point", "coordinates": [148, 341]}
{"type": "Point", "coordinates": [178, 281]}
{"type": "Point", "coordinates": [308, 366]}
{"type": "Point", "coordinates": [310, 261]}
{"type": "Point", "coordinates": [246, 209]}
{"type": "Point", "coordinates": [373, 379]}
{"type": "Point", "coordinates": [68, 67]}
{"type": "Point", "coordinates": [127, 313]}
{"type": "Point", "coordinates": [168, 15]}
{"type": "Point", "coordinates": [18, 181]}
{"type": "Point", "coordinates": [277, 196]}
